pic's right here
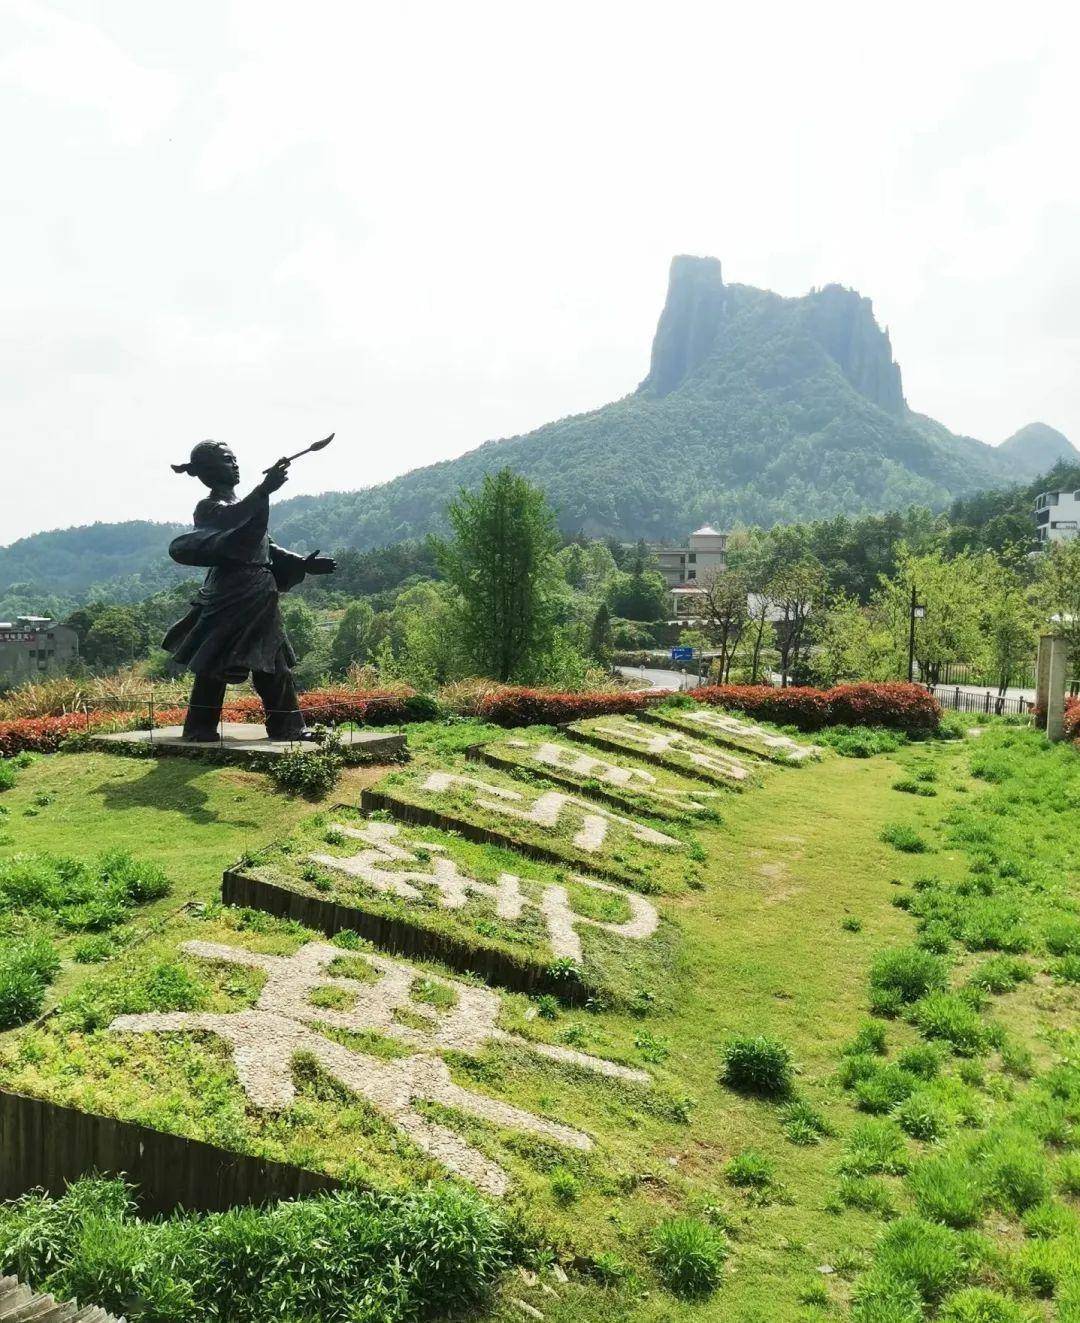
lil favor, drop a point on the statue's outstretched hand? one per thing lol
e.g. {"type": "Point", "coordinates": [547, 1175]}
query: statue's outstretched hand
{"type": "Point", "coordinates": [316, 564]}
{"type": "Point", "coordinates": [276, 477]}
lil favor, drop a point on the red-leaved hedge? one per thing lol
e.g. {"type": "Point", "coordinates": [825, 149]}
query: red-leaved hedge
{"type": "Point", "coordinates": [902, 706]}
{"type": "Point", "coordinates": [370, 707]}
{"type": "Point", "coordinates": [906, 707]}
{"type": "Point", "coordinates": [514, 706]}
{"type": "Point", "coordinates": [1072, 719]}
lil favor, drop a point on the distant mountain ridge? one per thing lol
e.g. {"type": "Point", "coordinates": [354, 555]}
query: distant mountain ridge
{"type": "Point", "coordinates": [1036, 448]}
{"type": "Point", "coordinates": [756, 408]}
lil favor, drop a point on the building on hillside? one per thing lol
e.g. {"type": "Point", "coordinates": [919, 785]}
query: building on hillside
{"type": "Point", "coordinates": [32, 647]}
{"type": "Point", "coordinates": [703, 554]}
{"type": "Point", "coordinates": [1057, 516]}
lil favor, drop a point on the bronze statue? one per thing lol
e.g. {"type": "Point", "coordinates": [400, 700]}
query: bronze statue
{"type": "Point", "coordinates": [234, 627]}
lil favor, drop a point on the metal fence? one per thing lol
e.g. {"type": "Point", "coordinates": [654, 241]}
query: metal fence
{"type": "Point", "coordinates": [989, 703]}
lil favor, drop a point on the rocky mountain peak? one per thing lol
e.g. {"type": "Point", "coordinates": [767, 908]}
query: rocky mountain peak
{"type": "Point", "coordinates": [843, 323]}
{"type": "Point", "coordinates": [691, 318]}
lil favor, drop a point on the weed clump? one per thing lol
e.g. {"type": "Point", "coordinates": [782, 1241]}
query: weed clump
{"type": "Point", "coordinates": [903, 838]}
{"type": "Point", "coordinates": [875, 1147]}
{"type": "Point", "coordinates": [904, 975]}
{"type": "Point", "coordinates": [757, 1064]}
{"type": "Point", "coordinates": [689, 1256]}
{"type": "Point", "coordinates": [392, 1258]}
{"type": "Point", "coordinates": [952, 1018]}
{"type": "Point", "coordinates": [27, 967]}
{"type": "Point", "coordinates": [949, 1190]}
{"type": "Point", "coordinates": [750, 1170]}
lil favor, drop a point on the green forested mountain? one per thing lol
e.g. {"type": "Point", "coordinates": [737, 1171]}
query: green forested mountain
{"type": "Point", "coordinates": [756, 409]}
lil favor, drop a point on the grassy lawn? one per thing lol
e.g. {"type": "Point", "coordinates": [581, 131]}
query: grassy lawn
{"type": "Point", "coordinates": [779, 925]}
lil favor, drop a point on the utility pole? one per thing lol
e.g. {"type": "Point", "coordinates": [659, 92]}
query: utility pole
{"type": "Point", "coordinates": [911, 638]}
{"type": "Point", "coordinates": [916, 611]}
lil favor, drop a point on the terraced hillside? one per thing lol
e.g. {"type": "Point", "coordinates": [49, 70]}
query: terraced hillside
{"type": "Point", "coordinates": [721, 1024]}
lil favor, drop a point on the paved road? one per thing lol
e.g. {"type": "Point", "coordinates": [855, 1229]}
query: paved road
{"type": "Point", "coordinates": [649, 677]}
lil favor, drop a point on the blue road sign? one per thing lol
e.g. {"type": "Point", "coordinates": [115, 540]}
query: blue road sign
{"type": "Point", "coordinates": [682, 654]}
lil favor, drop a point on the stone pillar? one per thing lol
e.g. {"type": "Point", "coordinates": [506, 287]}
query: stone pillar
{"type": "Point", "coordinates": [1055, 686]}
{"type": "Point", "coordinates": [1042, 678]}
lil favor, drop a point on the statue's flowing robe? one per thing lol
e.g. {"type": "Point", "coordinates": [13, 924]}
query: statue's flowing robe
{"type": "Point", "coordinates": [235, 623]}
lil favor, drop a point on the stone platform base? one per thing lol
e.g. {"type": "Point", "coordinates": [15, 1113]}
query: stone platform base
{"type": "Point", "coordinates": [246, 743]}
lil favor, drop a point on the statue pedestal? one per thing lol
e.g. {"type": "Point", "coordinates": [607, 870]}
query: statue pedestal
{"type": "Point", "coordinates": [246, 743]}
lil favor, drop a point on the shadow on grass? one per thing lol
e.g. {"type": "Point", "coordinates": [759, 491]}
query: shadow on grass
{"type": "Point", "coordinates": [170, 784]}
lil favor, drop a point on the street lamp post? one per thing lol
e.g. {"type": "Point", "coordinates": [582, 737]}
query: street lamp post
{"type": "Point", "coordinates": [917, 611]}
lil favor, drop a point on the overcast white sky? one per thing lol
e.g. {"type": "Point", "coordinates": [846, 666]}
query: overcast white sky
{"type": "Point", "coordinates": [425, 225]}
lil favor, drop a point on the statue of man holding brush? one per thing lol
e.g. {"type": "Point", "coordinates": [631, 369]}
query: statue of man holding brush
{"type": "Point", "coordinates": [234, 628]}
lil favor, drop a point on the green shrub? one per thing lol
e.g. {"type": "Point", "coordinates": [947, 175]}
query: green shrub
{"type": "Point", "coordinates": [903, 838]}
{"type": "Point", "coordinates": [689, 1256]}
{"type": "Point", "coordinates": [1017, 1060]}
{"type": "Point", "coordinates": [565, 1186]}
{"type": "Point", "coordinates": [875, 1147]}
{"type": "Point", "coordinates": [757, 1064]}
{"type": "Point", "coordinates": [803, 1124]}
{"type": "Point", "coordinates": [869, 1038]}
{"type": "Point", "coordinates": [883, 1299]}
{"type": "Point", "coordinates": [922, 1116]}
{"type": "Point", "coordinates": [1000, 974]}
{"type": "Point", "coordinates": [347, 1255]}
{"type": "Point", "coordinates": [948, 1016]}
{"type": "Point", "coordinates": [79, 895]}
{"type": "Point", "coordinates": [1067, 970]}
{"type": "Point", "coordinates": [907, 973]}
{"type": "Point", "coordinates": [860, 741]}
{"type": "Point", "coordinates": [924, 1255]}
{"type": "Point", "coordinates": [881, 1089]}
{"type": "Point", "coordinates": [910, 785]}
{"type": "Point", "coordinates": [307, 771]}
{"type": "Point", "coordinates": [979, 1305]}
{"type": "Point", "coordinates": [750, 1170]}
{"type": "Point", "coordinates": [7, 774]}
{"type": "Point", "coordinates": [949, 1190]}
{"type": "Point", "coordinates": [993, 924]}
{"type": "Point", "coordinates": [1063, 937]}
{"type": "Point", "coordinates": [27, 966]}
{"type": "Point", "coordinates": [1014, 1170]}
{"type": "Point", "coordinates": [1068, 1175]}
{"type": "Point", "coordinates": [921, 1059]}
{"type": "Point", "coordinates": [865, 1194]}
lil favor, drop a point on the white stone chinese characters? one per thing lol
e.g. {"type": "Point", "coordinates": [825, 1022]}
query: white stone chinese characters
{"type": "Point", "coordinates": [386, 846]}
{"type": "Point", "coordinates": [659, 742]}
{"type": "Point", "coordinates": [547, 808]}
{"type": "Point", "coordinates": [562, 757]}
{"type": "Point", "coordinates": [768, 740]}
{"type": "Point", "coordinates": [266, 1039]}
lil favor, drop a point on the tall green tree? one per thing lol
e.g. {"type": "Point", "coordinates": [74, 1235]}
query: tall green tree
{"type": "Point", "coordinates": [301, 625]}
{"type": "Point", "coordinates": [600, 638]}
{"type": "Point", "coordinates": [353, 637]}
{"type": "Point", "coordinates": [501, 563]}
{"type": "Point", "coordinates": [1057, 593]}
{"type": "Point", "coordinates": [114, 638]}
